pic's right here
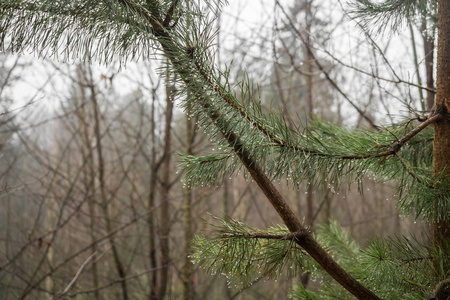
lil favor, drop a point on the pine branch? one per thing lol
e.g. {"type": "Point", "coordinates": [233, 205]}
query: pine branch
{"type": "Point", "coordinates": [412, 174]}
{"type": "Point", "coordinates": [233, 103]}
{"type": "Point", "coordinates": [334, 144]}
{"type": "Point", "coordinates": [265, 184]}
{"type": "Point", "coordinates": [401, 262]}
{"type": "Point", "coordinates": [427, 203]}
{"type": "Point", "coordinates": [267, 236]}
{"type": "Point", "coordinates": [265, 146]}
{"type": "Point", "coordinates": [257, 123]}
{"type": "Point", "coordinates": [101, 30]}
{"type": "Point", "coordinates": [377, 16]}
{"type": "Point", "coordinates": [245, 254]}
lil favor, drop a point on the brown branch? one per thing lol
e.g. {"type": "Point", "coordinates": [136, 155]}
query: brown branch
{"type": "Point", "coordinates": [411, 173]}
{"type": "Point", "coordinates": [442, 290]}
{"type": "Point", "coordinates": [392, 151]}
{"type": "Point", "coordinates": [292, 60]}
{"type": "Point", "coordinates": [102, 186]}
{"type": "Point", "coordinates": [229, 99]}
{"type": "Point", "coordinates": [276, 66]}
{"type": "Point", "coordinates": [170, 13]}
{"type": "Point", "coordinates": [306, 241]}
{"type": "Point", "coordinates": [397, 146]}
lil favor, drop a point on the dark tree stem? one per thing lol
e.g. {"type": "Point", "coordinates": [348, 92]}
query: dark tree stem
{"type": "Point", "coordinates": [441, 144]}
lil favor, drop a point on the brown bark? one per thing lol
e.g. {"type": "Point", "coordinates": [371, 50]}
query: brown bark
{"type": "Point", "coordinates": [306, 241]}
{"type": "Point", "coordinates": [441, 154]}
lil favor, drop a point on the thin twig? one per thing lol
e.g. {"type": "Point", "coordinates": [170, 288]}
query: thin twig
{"type": "Point", "coordinates": [397, 146]}
{"type": "Point", "coordinates": [396, 81]}
{"type": "Point", "coordinates": [410, 172]}
{"type": "Point", "coordinates": [132, 276]}
{"type": "Point", "coordinates": [322, 69]}
{"type": "Point", "coordinates": [75, 278]}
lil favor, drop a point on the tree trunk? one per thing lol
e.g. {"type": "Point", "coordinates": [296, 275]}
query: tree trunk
{"type": "Point", "coordinates": [153, 275]}
{"type": "Point", "coordinates": [416, 66]}
{"type": "Point", "coordinates": [101, 178]}
{"type": "Point", "coordinates": [309, 90]}
{"type": "Point", "coordinates": [51, 206]}
{"type": "Point", "coordinates": [428, 45]}
{"type": "Point", "coordinates": [188, 289]}
{"type": "Point", "coordinates": [164, 221]}
{"type": "Point", "coordinates": [89, 177]}
{"type": "Point", "coordinates": [441, 228]}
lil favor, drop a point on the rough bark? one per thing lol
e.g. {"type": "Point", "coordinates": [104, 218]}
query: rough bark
{"type": "Point", "coordinates": [441, 154]}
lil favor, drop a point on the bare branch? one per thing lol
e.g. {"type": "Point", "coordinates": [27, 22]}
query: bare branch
{"type": "Point", "coordinates": [75, 278]}
{"type": "Point", "coordinates": [322, 69]}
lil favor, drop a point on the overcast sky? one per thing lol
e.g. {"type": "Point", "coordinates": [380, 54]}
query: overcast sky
{"type": "Point", "coordinates": [247, 26]}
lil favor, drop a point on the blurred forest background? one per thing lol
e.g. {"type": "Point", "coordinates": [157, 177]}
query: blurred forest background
{"type": "Point", "coordinates": [92, 205]}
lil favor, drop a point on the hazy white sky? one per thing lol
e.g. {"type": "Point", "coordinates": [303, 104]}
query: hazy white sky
{"type": "Point", "coordinates": [245, 34]}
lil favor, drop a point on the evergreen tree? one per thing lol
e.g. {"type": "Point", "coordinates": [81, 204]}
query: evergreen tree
{"type": "Point", "coordinates": [267, 150]}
